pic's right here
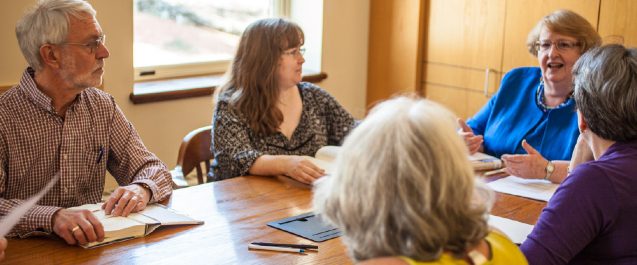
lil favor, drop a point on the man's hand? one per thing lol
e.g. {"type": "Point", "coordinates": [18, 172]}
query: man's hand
{"type": "Point", "coordinates": [77, 226]}
{"type": "Point", "coordinates": [529, 166]}
{"type": "Point", "coordinates": [474, 142]}
{"type": "Point", "coordinates": [128, 199]}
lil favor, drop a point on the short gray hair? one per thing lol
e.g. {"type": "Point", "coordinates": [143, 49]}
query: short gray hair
{"type": "Point", "coordinates": [47, 22]}
{"type": "Point", "coordinates": [404, 185]}
{"type": "Point", "coordinates": [605, 82]}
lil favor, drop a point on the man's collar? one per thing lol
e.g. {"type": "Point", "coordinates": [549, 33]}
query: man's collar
{"type": "Point", "coordinates": [39, 98]}
{"type": "Point", "coordinates": [30, 89]}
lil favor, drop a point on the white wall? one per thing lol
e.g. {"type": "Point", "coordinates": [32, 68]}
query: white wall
{"type": "Point", "coordinates": [162, 125]}
{"type": "Point", "coordinates": [345, 39]}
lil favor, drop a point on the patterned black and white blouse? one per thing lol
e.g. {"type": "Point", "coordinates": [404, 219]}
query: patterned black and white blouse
{"type": "Point", "coordinates": [235, 146]}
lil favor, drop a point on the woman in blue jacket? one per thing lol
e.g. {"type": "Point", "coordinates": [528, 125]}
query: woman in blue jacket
{"type": "Point", "coordinates": [531, 121]}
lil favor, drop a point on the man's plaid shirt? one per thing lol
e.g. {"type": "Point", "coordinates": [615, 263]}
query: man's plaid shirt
{"type": "Point", "coordinates": [94, 136]}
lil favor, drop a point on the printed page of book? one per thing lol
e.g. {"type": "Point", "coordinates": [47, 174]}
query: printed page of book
{"type": "Point", "coordinates": [167, 216]}
{"type": "Point", "coordinates": [516, 231]}
{"type": "Point", "coordinates": [116, 228]}
{"type": "Point", "coordinates": [119, 226]}
{"type": "Point", "coordinates": [537, 189]}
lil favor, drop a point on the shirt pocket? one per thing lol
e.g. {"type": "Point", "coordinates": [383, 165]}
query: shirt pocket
{"type": "Point", "coordinates": [95, 161]}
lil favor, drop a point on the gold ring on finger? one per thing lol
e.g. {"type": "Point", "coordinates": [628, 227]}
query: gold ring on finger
{"type": "Point", "coordinates": [77, 227]}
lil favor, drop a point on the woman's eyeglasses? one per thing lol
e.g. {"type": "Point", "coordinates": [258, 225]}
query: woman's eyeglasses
{"type": "Point", "coordinates": [561, 45]}
{"type": "Point", "coordinates": [296, 52]}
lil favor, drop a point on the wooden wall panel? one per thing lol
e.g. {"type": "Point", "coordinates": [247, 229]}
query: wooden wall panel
{"type": "Point", "coordinates": [465, 33]}
{"type": "Point", "coordinates": [395, 52]}
{"type": "Point", "coordinates": [463, 42]}
{"type": "Point", "coordinates": [618, 22]}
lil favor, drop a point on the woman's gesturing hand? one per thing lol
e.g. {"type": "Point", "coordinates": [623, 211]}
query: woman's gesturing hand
{"type": "Point", "coordinates": [474, 142]}
{"type": "Point", "coordinates": [529, 166]}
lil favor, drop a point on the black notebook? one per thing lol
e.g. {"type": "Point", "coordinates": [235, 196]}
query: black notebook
{"type": "Point", "coordinates": [307, 225]}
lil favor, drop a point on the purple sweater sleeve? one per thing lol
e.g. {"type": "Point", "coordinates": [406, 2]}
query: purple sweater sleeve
{"type": "Point", "coordinates": [577, 213]}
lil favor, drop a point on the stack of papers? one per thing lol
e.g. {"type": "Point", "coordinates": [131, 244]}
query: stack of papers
{"type": "Point", "coordinates": [537, 189]}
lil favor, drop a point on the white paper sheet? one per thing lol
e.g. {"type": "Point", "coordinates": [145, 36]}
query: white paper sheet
{"type": "Point", "coordinates": [9, 221]}
{"type": "Point", "coordinates": [516, 231]}
{"type": "Point", "coordinates": [538, 189]}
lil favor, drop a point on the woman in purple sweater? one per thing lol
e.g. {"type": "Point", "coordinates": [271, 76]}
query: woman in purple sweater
{"type": "Point", "coordinates": [592, 217]}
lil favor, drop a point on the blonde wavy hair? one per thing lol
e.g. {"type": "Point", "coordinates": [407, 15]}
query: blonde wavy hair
{"type": "Point", "coordinates": [565, 22]}
{"type": "Point", "coordinates": [404, 186]}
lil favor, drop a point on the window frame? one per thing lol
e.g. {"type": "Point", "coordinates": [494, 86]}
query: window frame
{"type": "Point", "coordinates": [281, 8]}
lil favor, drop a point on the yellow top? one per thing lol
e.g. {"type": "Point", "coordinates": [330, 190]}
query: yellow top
{"type": "Point", "coordinates": [502, 249]}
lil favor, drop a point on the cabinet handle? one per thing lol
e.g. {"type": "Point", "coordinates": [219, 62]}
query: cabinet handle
{"type": "Point", "coordinates": [486, 81]}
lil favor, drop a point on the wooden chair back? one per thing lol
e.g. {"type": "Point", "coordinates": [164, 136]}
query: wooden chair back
{"type": "Point", "coordinates": [195, 151]}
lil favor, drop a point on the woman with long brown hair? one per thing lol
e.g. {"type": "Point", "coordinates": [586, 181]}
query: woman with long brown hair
{"type": "Point", "coordinates": [265, 118]}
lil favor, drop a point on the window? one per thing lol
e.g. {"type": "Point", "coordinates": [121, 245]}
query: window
{"type": "Point", "coordinates": [192, 37]}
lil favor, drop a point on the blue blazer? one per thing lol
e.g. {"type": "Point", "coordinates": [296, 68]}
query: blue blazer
{"type": "Point", "coordinates": [513, 114]}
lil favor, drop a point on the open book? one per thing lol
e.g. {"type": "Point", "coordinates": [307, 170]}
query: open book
{"type": "Point", "coordinates": [324, 158]}
{"type": "Point", "coordinates": [482, 161]}
{"type": "Point", "coordinates": [118, 228]}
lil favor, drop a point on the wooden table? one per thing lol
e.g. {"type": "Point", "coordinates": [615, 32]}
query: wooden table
{"type": "Point", "coordinates": [235, 212]}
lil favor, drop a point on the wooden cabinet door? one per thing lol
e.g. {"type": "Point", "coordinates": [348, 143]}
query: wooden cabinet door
{"type": "Point", "coordinates": [618, 22]}
{"type": "Point", "coordinates": [523, 15]}
{"type": "Point", "coordinates": [462, 43]}
{"type": "Point", "coordinates": [395, 54]}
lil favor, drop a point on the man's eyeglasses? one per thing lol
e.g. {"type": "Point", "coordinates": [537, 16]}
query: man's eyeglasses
{"type": "Point", "coordinates": [295, 52]}
{"type": "Point", "coordinates": [561, 45]}
{"type": "Point", "coordinates": [92, 45]}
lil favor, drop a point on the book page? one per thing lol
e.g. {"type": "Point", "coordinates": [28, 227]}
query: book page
{"type": "Point", "coordinates": [537, 189]}
{"type": "Point", "coordinates": [325, 165]}
{"type": "Point", "coordinates": [118, 226]}
{"type": "Point", "coordinates": [516, 231]}
{"type": "Point", "coordinates": [167, 216]}
{"type": "Point", "coordinates": [91, 207]}
{"type": "Point", "coordinates": [327, 153]}
{"type": "Point", "coordinates": [324, 158]}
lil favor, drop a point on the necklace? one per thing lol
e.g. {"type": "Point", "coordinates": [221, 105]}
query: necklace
{"type": "Point", "coordinates": [539, 98]}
